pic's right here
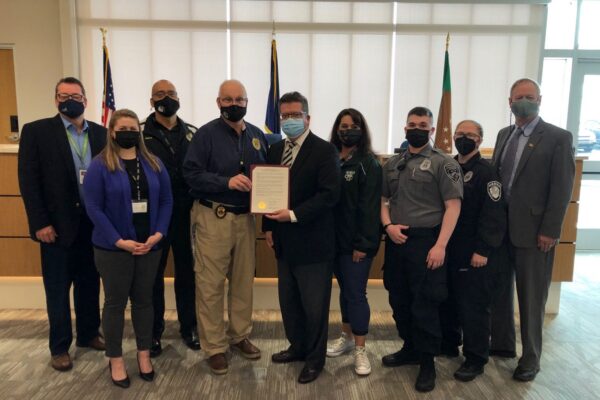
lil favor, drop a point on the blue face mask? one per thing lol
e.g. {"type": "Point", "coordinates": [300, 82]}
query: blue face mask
{"type": "Point", "coordinates": [293, 127]}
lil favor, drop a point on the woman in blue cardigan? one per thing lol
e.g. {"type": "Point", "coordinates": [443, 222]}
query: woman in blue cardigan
{"type": "Point", "coordinates": [128, 198]}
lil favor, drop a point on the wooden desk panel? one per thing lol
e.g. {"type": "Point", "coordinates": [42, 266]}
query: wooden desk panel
{"type": "Point", "coordinates": [564, 262]}
{"type": "Point", "coordinates": [14, 220]}
{"type": "Point", "coordinates": [20, 257]}
{"type": "Point", "coordinates": [9, 182]}
{"type": "Point", "coordinates": [569, 228]}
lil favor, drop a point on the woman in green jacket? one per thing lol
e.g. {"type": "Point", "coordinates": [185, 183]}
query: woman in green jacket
{"type": "Point", "coordinates": [358, 232]}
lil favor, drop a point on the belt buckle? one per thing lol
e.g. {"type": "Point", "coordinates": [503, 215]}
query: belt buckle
{"type": "Point", "coordinates": [220, 211]}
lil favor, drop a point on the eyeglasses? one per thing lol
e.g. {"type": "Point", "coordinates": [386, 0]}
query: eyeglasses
{"type": "Point", "coordinates": [294, 115]}
{"type": "Point", "coordinates": [161, 94]}
{"type": "Point", "coordinates": [240, 101]}
{"type": "Point", "coordinates": [468, 135]}
{"type": "Point", "coordinates": [67, 96]}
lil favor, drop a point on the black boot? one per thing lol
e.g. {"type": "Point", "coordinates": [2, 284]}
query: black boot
{"type": "Point", "coordinates": [426, 379]}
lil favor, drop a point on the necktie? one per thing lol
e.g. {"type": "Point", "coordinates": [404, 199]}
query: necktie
{"type": "Point", "coordinates": [288, 157]}
{"type": "Point", "coordinates": [510, 155]}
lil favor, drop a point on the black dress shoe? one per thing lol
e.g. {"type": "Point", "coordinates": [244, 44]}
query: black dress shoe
{"type": "Point", "coordinates": [191, 340]}
{"type": "Point", "coordinates": [308, 374]}
{"type": "Point", "coordinates": [156, 348]}
{"type": "Point", "coordinates": [147, 376]}
{"type": "Point", "coordinates": [122, 383]}
{"type": "Point", "coordinates": [426, 378]}
{"type": "Point", "coordinates": [525, 375]}
{"type": "Point", "coordinates": [503, 353]}
{"type": "Point", "coordinates": [402, 357]}
{"type": "Point", "coordinates": [468, 371]}
{"type": "Point", "coordinates": [286, 356]}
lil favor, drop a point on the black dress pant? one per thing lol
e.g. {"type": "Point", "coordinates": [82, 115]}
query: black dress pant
{"type": "Point", "coordinates": [304, 296]}
{"type": "Point", "coordinates": [415, 292]}
{"type": "Point", "coordinates": [61, 268]}
{"type": "Point", "coordinates": [469, 308]}
{"type": "Point", "coordinates": [503, 336]}
{"type": "Point", "coordinates": [179, 240]}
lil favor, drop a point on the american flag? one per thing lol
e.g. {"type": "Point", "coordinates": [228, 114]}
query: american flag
{"type": "Point", "coordinates": [108, 96]}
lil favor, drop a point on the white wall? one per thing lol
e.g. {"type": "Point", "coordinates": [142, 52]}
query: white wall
{"type": "Point", "coordinates": [32, 28]}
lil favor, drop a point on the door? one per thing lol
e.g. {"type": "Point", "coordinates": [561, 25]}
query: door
{"type": "Point", "coordinates": [584, 121]}
{"type": "Point", "coordinates": [8, 100]}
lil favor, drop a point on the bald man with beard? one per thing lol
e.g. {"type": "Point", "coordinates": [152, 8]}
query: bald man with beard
{"type": "Point", "coordinates": [168, 137]}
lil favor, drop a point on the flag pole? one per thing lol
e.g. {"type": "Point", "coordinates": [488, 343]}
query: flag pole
{"type": "Point", "coordinates": [447, 41]}
{"type": "Point", "coordinates": [103, 30]}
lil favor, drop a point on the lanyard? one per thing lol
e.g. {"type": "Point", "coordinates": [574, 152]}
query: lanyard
{"type": "Point", "coordinates": [80, 152]}
{"type": "Point", "coordinates": [167, 142]}
{"type": "Point", "coordinates": [136, 178]}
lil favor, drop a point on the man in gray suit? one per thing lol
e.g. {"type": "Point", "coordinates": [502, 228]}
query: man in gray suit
{"type": "Point", "coordinates": [536, 165]}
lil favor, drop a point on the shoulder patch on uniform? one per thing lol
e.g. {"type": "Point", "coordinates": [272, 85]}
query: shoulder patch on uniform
{"type": "Point", "coordinates": [468, 176]}
{"type": "Point", "coordinates": [452, 171]}
{"type": "Point", "coordinates": [425, 165]}
{"type": "Point", "coordinates": [494, 190]}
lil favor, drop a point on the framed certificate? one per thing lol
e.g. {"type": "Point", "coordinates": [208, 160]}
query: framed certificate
{"type": "Point", "coordinates": [270, 188]}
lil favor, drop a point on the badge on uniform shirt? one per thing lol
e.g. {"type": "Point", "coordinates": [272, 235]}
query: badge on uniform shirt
{"type": "Point", "coordinates": [82, 173]}
{"type": "Point", "coordinates": [494, 189]}
{"type": "Point", "coordinates": [468, 176]}
{"type": "Point", "coordinates": [452, 171]}
{"type": "Point", "coordinates": [425, 165]}
{"type": "Point", "coordinates": [349, 175]}
{"type": "Point", "coordinates": [256, 143]}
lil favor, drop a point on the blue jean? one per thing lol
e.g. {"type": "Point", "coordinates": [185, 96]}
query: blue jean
{"type": "Point", "coordinates": [352, 278]}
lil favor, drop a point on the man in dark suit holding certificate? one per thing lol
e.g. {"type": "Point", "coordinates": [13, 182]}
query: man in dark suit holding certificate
{"type": "Point", "coordinates": [303, 236]}
{"type": "Point", "coordinates": [536, 164]}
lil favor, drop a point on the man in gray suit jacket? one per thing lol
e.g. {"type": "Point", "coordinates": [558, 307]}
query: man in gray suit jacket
{"type": "Point", "coordinates": [536, 164]}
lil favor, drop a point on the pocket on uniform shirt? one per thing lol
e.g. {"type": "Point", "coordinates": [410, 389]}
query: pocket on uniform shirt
{"type": "Point", "coordinates": [421, 177]}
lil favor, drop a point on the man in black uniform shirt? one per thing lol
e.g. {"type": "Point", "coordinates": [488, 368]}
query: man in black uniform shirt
{"type": "Point", "coordinates": [472, 254]}
{"type": "Point", "coordinates": [167, 136]}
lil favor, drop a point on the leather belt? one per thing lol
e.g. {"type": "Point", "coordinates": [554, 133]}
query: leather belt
{"type": "Point", "coordinates": [222, 209]}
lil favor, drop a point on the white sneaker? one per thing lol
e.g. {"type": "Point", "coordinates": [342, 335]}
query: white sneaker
{"type": "Point", "coordinates": [362, 366]}
{"type": "Point", "coordinates": [340, 346]}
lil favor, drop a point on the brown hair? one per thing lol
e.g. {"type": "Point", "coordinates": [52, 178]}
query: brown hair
{"type": "Point", "coordinates": [364, 144]}
{"type": "Point", "coordinates": [110, 153]}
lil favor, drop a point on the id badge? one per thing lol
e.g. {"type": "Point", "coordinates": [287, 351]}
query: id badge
{"type": "Point", "coordinates": [82, 173]}
{"type": "Point", "coordinates": [139, 206]}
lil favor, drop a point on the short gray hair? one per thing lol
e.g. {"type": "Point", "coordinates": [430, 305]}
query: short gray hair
{"type": "Point", "coordinates": [526, 80]}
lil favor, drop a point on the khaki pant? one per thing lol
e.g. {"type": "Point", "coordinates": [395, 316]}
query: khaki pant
{"type": "Point", "coordinates": [224, 249]}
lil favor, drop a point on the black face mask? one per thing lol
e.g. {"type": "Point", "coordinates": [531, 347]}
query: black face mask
{"type": "Point", "coordinates": [166, 106]}
{"type": "Point", "coordinates": [350, 137]}
{"type": "Point", "coordinates": [233, 113]}
{"type": "Point", "coordinates": [71, 108]}
{"type": "Point", "coordinates": [464, 145]}
{"type": "Point", "coordinates": [417, 137]}
{"type": "Point", "coordinates": [127, 139]}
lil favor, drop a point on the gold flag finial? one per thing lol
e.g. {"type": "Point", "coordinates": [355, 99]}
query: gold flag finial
{"type": "Point", "coordinates": [103, 30]}
{"type": "Point", "coordinates": [447, 41]}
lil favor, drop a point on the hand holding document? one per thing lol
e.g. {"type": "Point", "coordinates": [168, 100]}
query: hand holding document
{"type": "Point", "coordinates": [270, 189]}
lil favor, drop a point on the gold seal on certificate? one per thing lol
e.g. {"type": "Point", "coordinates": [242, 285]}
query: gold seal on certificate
{"type": "Point", "coordinates": [270, 188]}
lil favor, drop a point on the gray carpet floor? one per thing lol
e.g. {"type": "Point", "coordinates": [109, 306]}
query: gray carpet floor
{"type": "Point", "coordinates": [570, 363]}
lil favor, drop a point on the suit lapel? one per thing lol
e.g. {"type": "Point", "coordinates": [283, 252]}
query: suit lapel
{"type": "Point", "coordinates": [530, 146]}
{"type": "Point", "coordinates": [302, 155]}
{"type": "Point", "coordinates": [95, 140]}
{"type": "Point", "coordinates": [502, 144]}
{"type": "Point", "coordinates": [62, 142]}
{"type": "Point", "coordinates": [276, 152]}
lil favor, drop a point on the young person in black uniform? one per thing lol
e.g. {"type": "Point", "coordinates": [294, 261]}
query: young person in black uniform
{"type": "Point", "coordinates": [167, 136]}
{"type": "Point", "coordinates": [473, 254]}
{"type": "Point", "coordinates": [421, 200]}
{"type": "Point", "coordinates": [303, 237]}
{"type": "Point", "coordinates": [54, 154]}
{"type": "Point", "coordinates": [358, 232]}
